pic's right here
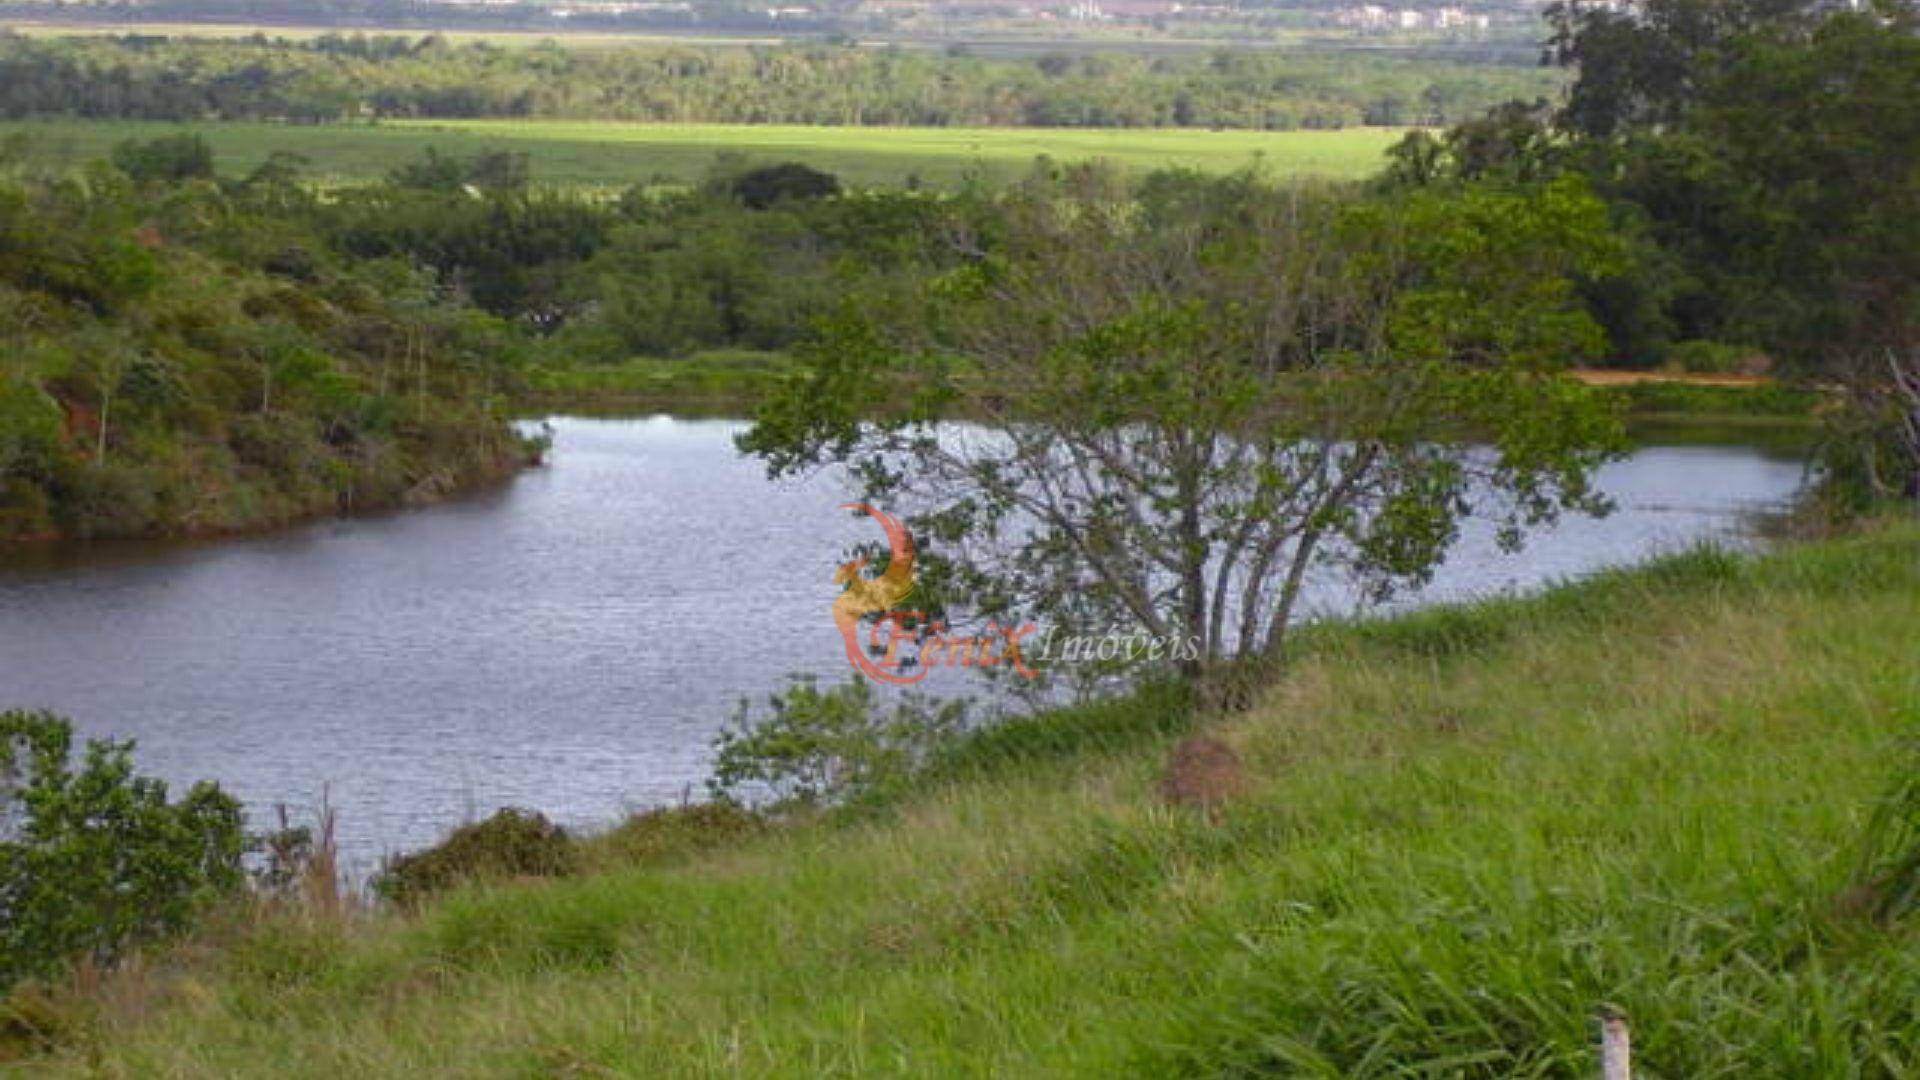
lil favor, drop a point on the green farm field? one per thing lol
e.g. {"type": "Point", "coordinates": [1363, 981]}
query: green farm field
{"type": "Point", "coordinates": [616, 155]}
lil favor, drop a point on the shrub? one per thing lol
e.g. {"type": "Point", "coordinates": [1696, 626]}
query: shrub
{"type": "Point", "coordinates": [1701, 357]}
{"type": "Point", "coordinates": [788, 182]}
{"type": "Point", "coordinates": [168, 158]}
{"type": "Point", "coordinates": [670, 831]}
{"type": "Point", "coordinates": [829, 747]}
{"type": "Point", "coordinates": [1772, 399]}
{"type": "Point", "coordinates": [24, 509]}
{"type": "Point", "coordinates": [94, 859]}
{"type": "Point", "coordinates": [103, 500]}
{"type": "Point", "coordinates": [512, 843]}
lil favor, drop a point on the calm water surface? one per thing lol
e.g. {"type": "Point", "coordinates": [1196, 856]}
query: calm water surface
{"type": "Point", "coordinates": [572, 642]}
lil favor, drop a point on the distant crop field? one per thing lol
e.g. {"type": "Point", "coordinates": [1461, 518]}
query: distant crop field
{"type": "Point", "coordinates": [616, 155]}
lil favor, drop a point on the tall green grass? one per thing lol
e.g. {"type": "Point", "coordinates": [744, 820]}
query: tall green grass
{"type": "Point", "coordinates": [1468, 831]}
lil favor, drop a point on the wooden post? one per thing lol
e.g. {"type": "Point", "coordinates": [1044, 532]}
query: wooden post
{"type": "Point", "coordinates": [1616, 1048]}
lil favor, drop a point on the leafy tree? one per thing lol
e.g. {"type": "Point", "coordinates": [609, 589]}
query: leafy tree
{"type": "Point", "coordinates": [1189, 404]}
{"type": "Point", "coordinates": [1640, 64]}
{"type": "Point", "coordinates": [787, 182]}
{"type": "Point", "coordinates": [1511, 142]}
{"type": "Point", "coordinates": [494, 171]}
{"type": "Point", "coordinates": [1416, 160]}
{"type": "Point", "coordinates": [505, 249]}
{"type": "Point", "coordinates": [1770, 148]}
{"type": "Point", "coordinates": [94, 859]}
{"type": "Point", "coordinates": [1823, 128]}
{"type": "Point", "coordinates": [168, 159]}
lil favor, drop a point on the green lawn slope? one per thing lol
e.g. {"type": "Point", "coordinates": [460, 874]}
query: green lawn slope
{"type": "Point", "coordinates": [1466, 832]}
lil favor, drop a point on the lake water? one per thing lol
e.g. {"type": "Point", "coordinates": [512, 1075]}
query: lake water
{"type": "Point", "coordinates": [572, 642]}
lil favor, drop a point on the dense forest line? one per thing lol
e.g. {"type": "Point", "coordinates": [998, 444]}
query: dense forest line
{"type": "Point", "coordinates": [334, 77]}
{"type": "Point", "coordinates": [179, 356]}
{"type": "Point", "coordinates": [501, 15]}
{"type": "Point", "coordinates": [1017, 23]}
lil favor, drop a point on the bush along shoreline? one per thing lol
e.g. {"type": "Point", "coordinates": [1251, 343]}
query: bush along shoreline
{"type": "Point", "coordinates": [186, 357]}
{"type": "Point", "coordinates": [1363, 795]}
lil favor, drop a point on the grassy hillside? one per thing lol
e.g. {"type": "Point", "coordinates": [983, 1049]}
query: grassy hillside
{"type": "Point", "coordinates": [1466, 831]}
{"type": "Point", "coordinates": [617, 155]}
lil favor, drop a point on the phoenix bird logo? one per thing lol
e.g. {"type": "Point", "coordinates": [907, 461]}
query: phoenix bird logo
{"type": "Point", "coordinates": [862, 596]}
{"type": "Point", "coordinates": [911, 642]}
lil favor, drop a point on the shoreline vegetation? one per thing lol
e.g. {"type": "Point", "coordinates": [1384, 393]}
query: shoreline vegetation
{"type": "Point", "coordinates": [733, 382]}
{"type": "Point", "coordinates": [179, 362]}
{"type": "Point", "coordinates": [1431, 842]}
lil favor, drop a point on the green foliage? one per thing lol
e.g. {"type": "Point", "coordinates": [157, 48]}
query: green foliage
{"type": "Point", "coordinates": [830, 746]}
{"type": "Point", "coordinates": [729, 380]}
{"type": "Point", "coordinates": [510, 844]}
{"type": "Point", "coordinates": [1888, 878]}
{"type": "Point", "coordinates": [1761, 156]}
{"type": "Point", "coordinates": [1640, 67]}
{"type": "Point", "coordinates": [673, 832]}
{"type": "Point", "coordinates": [506, 249]}
{"type": "Point", "coordinates": [350, 79]}
{"type": "Point", "coordinates": [1709, 358]}
{"type": "Point", "coordinates": [1776, 400]}
{"type": "Point", "coordinates": [1253, 384]}
{"type": "Point", "coordinates": [682, 274]}
{"type": "Point", "coordinates": [169, 159]}
{"type": "Point", "coordinates": [30, 447]}
{"type": "Point", "coordinates": [94, 860]}
{"type": "Point", "coordinates": [489, 170]}
{"type": "Point", "coordinates": [187, 357]}
{"type": "Point", "coordinates": [770, 185]}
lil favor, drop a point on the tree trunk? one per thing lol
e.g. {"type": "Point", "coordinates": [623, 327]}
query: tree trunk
{"type": "Point", "coordinates": [1906, 395]}
{"type": "Point", "coordinates": [106, 413]}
